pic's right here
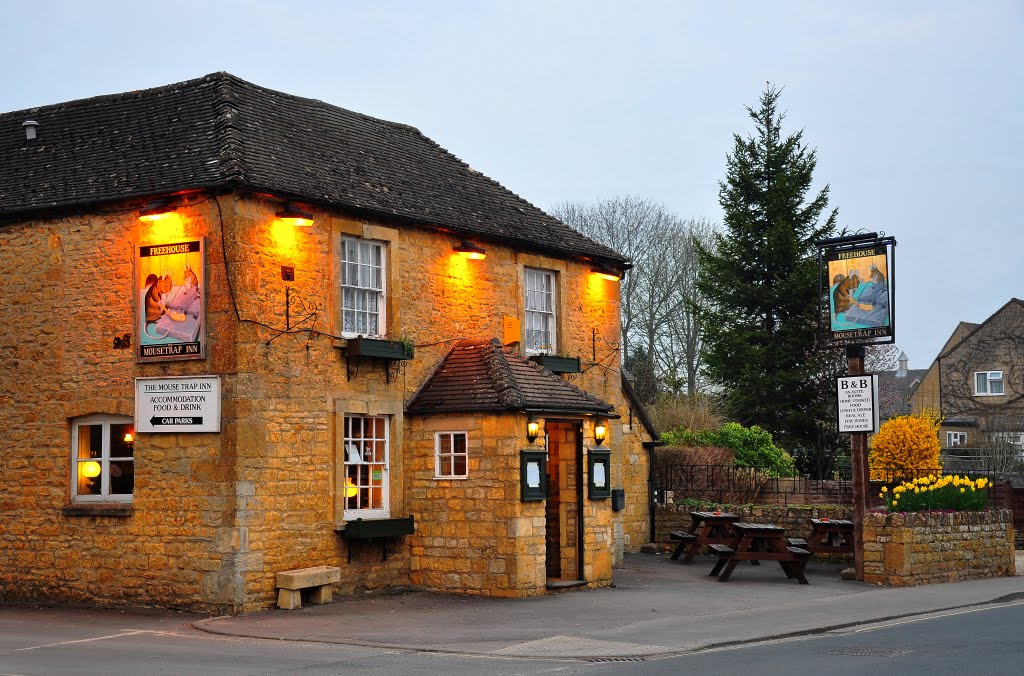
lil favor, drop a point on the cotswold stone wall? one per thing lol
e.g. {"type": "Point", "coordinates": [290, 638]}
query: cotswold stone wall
{"type": "Point", "coordinates": [905, 549]}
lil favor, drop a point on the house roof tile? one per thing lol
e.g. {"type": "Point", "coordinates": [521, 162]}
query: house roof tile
{"type": "Point", "coordinates": [481, 375]}
{"type": "Point", "coordinates": [219, 131]}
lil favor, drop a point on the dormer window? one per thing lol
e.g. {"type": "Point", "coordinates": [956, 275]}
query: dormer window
{"type": "Point", "coordinates": [988, 383]}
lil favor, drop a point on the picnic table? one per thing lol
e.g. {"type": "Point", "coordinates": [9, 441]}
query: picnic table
{"type": "Point", "coordinates": [759, 542]}
{"type": "Point", "coordinates": [828, 536]}
{"type": "Point", "coordinates": [706, 528]}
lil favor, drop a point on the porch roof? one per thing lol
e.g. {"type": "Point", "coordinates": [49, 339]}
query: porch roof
{"type": "Point", "coordinates": [483, 375]}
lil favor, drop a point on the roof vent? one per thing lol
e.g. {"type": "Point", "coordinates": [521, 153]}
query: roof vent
{"type": "Point", "coordinates": [30, 128]}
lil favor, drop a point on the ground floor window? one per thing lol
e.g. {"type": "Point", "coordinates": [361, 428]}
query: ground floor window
{"type": "Point", "coordinates": [367, 452]}
{"type": "Point", "coordinates": [102, 459]}
{"type": "Point", "coordinates": [955, 439]}
{"type": "Point", "coordinates": [451, 458]}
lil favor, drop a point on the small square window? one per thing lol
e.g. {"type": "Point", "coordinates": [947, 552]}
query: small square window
{"type": "Point", "coordinates": [954, 439]}
{"type": "Point", "coordinates": [988, 383]}
{"type": "Point", "coordinates": [451, 457]}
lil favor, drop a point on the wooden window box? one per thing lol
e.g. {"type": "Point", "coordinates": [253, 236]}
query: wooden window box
{"type": "Point", "coordinates": [370, 530]}
{"type": "Point", "coordinates": [558, 364]}
{"type": "Point", "coordinates": [380, 349]}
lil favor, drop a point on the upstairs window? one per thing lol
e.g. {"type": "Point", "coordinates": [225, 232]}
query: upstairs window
{"type": "Point", "coordinates": [954, 439]}
{"type": "Point", "coordinates": [102, 459]}
{"type": "Point", "coordinates": [451, 457]}
{"type": "Point", "coordinates": [988, 383]}
{"type": "Point", "coordinates": [362, 287]}
{"type": "Point", "coordinates": [540, 311]}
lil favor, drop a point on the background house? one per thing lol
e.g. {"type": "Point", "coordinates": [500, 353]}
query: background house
{"type": "Point", "coordinates": [977, 384]}
{"type": "Point", "coordinates": [319, 268]}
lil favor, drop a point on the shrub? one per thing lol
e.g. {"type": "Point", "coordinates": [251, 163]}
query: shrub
{"type": "Point", "coordinates": [751, 446]}
{"type": "Point", "coordinates": [937, 492]}
{"type": "Point", "coordinates": [695, 412]}
{"type": "Point", "coordinates": [905, 447]}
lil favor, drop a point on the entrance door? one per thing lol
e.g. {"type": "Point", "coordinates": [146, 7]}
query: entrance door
{"type": "Point", "coordinates": [564, 510]}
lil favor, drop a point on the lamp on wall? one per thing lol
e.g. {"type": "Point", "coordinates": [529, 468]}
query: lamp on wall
{"type": "Point", "coordinates": [608, 273]}
{"type": "Point", "coordinates": [295, 216]}
{"type": "Point", "coordinates": [156, 210]}
{"type": "Point", "coordinates": [470, 250]}
{"type": "Point", "coordinates": [600, 430]}
{"type": "Point", "coordinates": [532, 429]}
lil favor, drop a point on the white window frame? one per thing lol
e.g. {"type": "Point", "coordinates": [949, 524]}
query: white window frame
{"type": "Point", "coordinates": [536, 311]}
{"type": "Point", "coordinates": [363, 470]}
{"type": "Point", "coordinates": [1015, 439]}
{"type": "Point", "coordinates": [954, 439]}
{"type": "Point", "coordinates": [105, 458]}
{"type": "Point", "coordinates": [370, 289]}
{"type": "Point", "coordinates": [990, 378]}
{"type": "Point", "coordinates": [450, 453]}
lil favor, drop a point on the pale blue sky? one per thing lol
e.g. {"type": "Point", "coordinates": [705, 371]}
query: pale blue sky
{"type": "Point", "coordinates": [916, 108]}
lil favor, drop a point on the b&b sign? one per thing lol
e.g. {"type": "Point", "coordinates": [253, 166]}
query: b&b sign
{"type": "Point", "coordinates": [858, 403]}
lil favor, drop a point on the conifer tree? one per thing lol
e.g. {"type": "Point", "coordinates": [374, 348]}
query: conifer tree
{"type": "Point", "coordinates": [760, 281]}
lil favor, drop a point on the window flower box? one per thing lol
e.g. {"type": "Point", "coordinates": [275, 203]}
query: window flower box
{"type": "Point", "coordinates": [369, 529]}
{"type": "Point", "coordinates": [558, 364]}
{"type": "Point", "coordinates": [393, 350]}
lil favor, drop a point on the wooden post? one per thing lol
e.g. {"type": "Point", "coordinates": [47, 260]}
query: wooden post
{"type": "Point", "coordinates": [859, 460]}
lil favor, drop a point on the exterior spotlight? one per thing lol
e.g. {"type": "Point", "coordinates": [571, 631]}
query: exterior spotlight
{"type": "Point", "coordinates": [610, 274]}
{"type": "Point", "coordinates": [91, 469]}
{"type": "Point", "coordinates": [470, 250]}
{"type": "Point", "coordinates": [600, 431]}
{"type": "Point", "coordinates": [295, 216]}
{"type": "Point", "coordinates": [155, 211]}
{"type": "Point", "coordinates": [532, 429]}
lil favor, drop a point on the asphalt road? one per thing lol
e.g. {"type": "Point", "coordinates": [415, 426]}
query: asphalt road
{"type": "Point", "coordinates": [985, 640]}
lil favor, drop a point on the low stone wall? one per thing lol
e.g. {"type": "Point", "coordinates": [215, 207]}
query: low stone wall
{"type": "Point", "coordinates": [796, 520]}
{"type": "Point", "coordinates": [905, 549]}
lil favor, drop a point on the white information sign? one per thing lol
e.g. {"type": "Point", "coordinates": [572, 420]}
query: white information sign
{"type": "Point", "coordinates": [858, 403]}
{"type": "Point", "coordinates": [177, 404]}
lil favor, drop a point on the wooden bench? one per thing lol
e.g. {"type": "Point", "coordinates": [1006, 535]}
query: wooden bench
{"type": "Point", "coordinates": [318, 579]}
{"type": "Point", "coordinates": [683, 538]}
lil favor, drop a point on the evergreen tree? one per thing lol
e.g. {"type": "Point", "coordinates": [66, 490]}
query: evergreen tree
{"type": "Point", "coordinates": [760, 281]}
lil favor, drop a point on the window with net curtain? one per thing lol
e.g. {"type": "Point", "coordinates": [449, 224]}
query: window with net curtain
{"type": "Point", "coordinates": [362, 287]}
{"type": "Point", "coordinates": [540, 311]}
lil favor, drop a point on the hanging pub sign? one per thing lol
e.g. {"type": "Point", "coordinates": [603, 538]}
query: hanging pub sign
{"type": "Point", "coordinates": [170, 279]}
{"type": "Point", "coordinates": [857, 300]}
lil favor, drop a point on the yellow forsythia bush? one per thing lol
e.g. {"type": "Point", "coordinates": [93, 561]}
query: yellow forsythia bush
{"type": "Point", "coordinates": [906, 447]}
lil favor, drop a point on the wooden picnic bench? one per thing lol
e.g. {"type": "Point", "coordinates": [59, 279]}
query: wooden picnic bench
{"type": "Point", "coordinates": [759, 542]}
{"type": "Point", "coordinates": [830, 536]}
{"type": "Point", "coordinates": [706, 528]}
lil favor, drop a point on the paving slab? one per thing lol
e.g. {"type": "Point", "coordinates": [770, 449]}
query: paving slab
{"type": "Point", "coordinates": [657, 606]}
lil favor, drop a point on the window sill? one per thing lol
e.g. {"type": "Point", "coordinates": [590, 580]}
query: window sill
{"type": "Point", "coordinates": [990, 394]}
{"type": "Point", "coordinates": [99, 509]}
{"type": "Point", "coordinates": [450, 478]}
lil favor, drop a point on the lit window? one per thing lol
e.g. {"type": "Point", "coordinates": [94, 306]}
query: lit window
{"type": "Point", "coordinates": [362, 287]}
{"type": "Point", "coordinates": [988, 382]}
{"type": "Point", "coordinates": [366, 442]}
{"type": "Point", "coordinates": [954, 439]}
{"type": "Point", "coordinates": [540, 311]}
{"type": "Point", "coordinates": [102, 459]}
{"type": "Point", "coordinates": [451, 460]}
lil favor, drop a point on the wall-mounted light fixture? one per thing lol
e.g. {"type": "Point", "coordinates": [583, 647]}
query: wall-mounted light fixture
{"type": "Point", "coordinates": [156, 210]}
{"type": "Point", "coordinates": [532, 429]}
{"type": "Point", "coordinates": [470, 250]}
{"type": "Point", "coordinates": [295, 216]}
{"type": "Point", "coordinates": [604, 272]}
{"type": "Point", "coordinates": [129, 438]}
{"type": "Point", "coordinates": [600, 430]}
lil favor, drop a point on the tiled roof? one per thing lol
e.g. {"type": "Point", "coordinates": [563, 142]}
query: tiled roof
{"type": "Point", "coordinates": [480, 375]}
{"type": "Point", "coordinates": [220, 131]}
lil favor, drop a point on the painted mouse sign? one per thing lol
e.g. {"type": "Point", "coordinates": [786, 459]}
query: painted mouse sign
{"type": "Point", "coordinates": [170, 301]}
{"type": "Point", "coordinates": [857, 281]}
